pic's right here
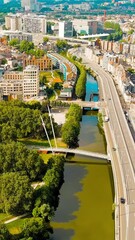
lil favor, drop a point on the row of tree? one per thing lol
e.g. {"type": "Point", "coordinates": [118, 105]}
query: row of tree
{"type": "Point", "coordinates": [27, 47]}
{"type": "Point", "coordinates": [112, 25]}
{"type": "Point", "coordinates": [80, 88]}
{"type": "Point", "coordinates": [117, 35]}
{"type": "Point", "coordinates": [20, 121]}
{"type": "Point", "coordinates": [71, 128]}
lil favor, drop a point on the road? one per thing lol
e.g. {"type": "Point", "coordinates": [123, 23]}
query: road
{"type": "Point", "coordinates": [125, 146]}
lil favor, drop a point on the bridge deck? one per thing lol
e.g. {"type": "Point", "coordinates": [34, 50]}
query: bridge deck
{"type": "Point", "coordinates": [87, 104]}
{"type": "Point", "coordinates": [77, 151]}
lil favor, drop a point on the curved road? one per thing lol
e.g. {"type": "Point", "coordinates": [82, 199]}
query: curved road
{"type": "Point", "coordinates": [125, 148]}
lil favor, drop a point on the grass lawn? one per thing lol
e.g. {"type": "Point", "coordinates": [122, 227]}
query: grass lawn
{"type": "Point", "coordinates": [16, 226]}
{"type": "Point", "coordinates": [46, 157]}
{"type": "Point", "coordinates": [4, 217]}
{"type": "Point", "coordinates": [43, 143]}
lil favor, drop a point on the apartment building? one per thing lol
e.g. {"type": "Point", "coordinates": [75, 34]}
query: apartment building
{"type": "Point", "coordinates": [34, 24]}
{"type": "Point", "coordinates": [21, 85]}
{"type": "Point", "coordinates": [21, 36]}
{"type": "Point", "coordinates": [12, 84]}
{"type": "Point", "coordinates": [43, 63]}
{"type": "Point", "coordinates": [13, 22]}
{"type": "Point", "coordinates": [30, 81]}
{"type": "Point", "coordinates": [29, 23]}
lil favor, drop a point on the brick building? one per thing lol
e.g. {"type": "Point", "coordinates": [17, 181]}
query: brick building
{"type": "Point", "coordinates": [43, 63]}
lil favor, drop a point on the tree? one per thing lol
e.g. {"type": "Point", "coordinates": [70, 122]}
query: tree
{"type": "Point", "coordinates": [131, 31]}
{"type": "Point", "coordinates": [3, 61]}
{"type": "Point", "coordinates": [112, 25]}
{"type": "Point", "coordinates": [16, 193]}
{"type": "Point", "coordinates": [36, 228]}
{"type": "Point", "coordinates": [43, 79]}
{"type": "Point", "coordinates": [80, 88]}
{"type": "Point", "coordinates": [20, 120]}
{"type": "Point", "coordinates": [61, 44]}
{"type": "Point", "coordinates": [14, 42]}
{"type": "Point", "coordinates": [45, 211]}
{"type": "Point", "coordinates": [4, 233]}
{"type": "Point", "coordinates": [8, 133]}
{"type": "Point", "coordinates": [45, 39]}
{"type": "Point", "coordinates": [26, 46]}
{"type": "Point", "coordinates": [70, 132]}
{"type": "Point", "coordinates": [74, 111]}
{"type": "Point", "coordinates": [15, 157]}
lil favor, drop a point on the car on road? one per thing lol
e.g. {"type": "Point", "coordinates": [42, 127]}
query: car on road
{"type": "Point", "coordinates": [122, 200]}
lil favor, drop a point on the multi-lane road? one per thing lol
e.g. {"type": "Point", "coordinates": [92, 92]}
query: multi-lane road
{"type": "Point", "coordinates": [124, 163]}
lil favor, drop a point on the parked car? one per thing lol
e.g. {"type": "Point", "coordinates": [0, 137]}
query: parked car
{"type": "Point", "coordinates": [122, 200]}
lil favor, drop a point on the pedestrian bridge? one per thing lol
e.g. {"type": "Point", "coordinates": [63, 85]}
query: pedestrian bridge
{"type": "Point", "coordinates": [76, 151]}
{"type": "Point", "coordinates": [87, 104]}
{"type": "Point", "coordinates": [94, 36]}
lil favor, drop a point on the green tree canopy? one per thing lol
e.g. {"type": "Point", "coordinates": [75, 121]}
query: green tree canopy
{"type": "Point", "coordinates": [19, 120]}
{"type": "Point", "coordinates": [70, 132]}
{"type": "Point", "coordinates": [26, 46]}
{"type": "Point", "coordinates": [14, 42]}
{"type": "Point", "coordinates": [45, 39]}
{"type": "Point", "coordinates": [74, 111]}
{"type": "Point", "coordinates": [15, 193]}
{"type": "Point", "coordinates": [36, 228]}
{"type": "Point", "coordinates": [61, 44]}
{"type": "Point", "coordinates": [16, 157]}
{"type": "Point", "coordinates": [4, 233]}
{"type": "Point", "coordinates": [3, 61]}
{"type": "Point", "coordinates": [113, 25]}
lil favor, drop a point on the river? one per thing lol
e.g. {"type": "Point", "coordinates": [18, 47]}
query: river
{"type": "Point", "coordinates": [86, 197]}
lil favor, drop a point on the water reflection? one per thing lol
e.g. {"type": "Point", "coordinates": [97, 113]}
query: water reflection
{"type": "Point", "coordinates": [73, 174]}
{"type": "Point", "coordinates": [62, 234]}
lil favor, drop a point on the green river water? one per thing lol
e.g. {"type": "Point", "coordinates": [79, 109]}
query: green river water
{"type": "Point", "coordinates": [86, 197]}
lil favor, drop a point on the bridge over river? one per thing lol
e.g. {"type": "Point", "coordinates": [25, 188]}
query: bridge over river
{"type": "Point", "coordinates": [87, 104]}
{"type": "Point", "coordinates": [76, 151]}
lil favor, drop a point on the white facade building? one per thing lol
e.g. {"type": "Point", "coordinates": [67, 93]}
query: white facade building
{"type": "Point", "coordinates": [13, 22]}
{"type": "Point", "coordinates": [65, 29]}
{"type": "Point", "coordinates": [30, 81]}
{"type": "Point", "coordinates": [83, 26]}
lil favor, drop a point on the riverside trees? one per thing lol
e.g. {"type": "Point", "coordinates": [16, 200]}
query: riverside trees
{"type": "Point", "coordinates": [80, 88]}
{"type": "Point", "coordinates": [71, 128]}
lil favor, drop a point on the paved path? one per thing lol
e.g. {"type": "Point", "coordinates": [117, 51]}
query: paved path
{"type": "Point", "coordinates": [76, 151]}
{"type": "Point", "coordinates": [15, 218]}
